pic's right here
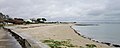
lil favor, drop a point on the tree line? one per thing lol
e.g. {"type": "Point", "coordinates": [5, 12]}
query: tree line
{"type": "Point", "coordinates": [5, 19]}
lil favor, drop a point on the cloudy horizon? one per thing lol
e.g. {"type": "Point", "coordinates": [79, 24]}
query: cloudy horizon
{"type": "Point", "coordinates": [63, 10]}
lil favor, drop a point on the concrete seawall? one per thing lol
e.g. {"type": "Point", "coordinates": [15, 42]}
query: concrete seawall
{"type": "Point", "coordinates": [25, 42]}
{"type": "Point", "coordinates": [7, 40]}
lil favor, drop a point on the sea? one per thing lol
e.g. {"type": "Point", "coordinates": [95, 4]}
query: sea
{"type": "Point", "coordinates": [102, 32]}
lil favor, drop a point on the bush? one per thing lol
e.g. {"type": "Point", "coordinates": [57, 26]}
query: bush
{"type": "Point", "coordinates": [28, 22]}
{"type": "Point", "coordinates": [1, 25]}
{"type": "Point", "coordinates": [58, 44]}
{"type": "Point", "coordinates": [91, 45]}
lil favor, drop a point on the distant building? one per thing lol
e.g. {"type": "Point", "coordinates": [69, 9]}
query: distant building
{"type": "Point", "coordinates": [27, 20]}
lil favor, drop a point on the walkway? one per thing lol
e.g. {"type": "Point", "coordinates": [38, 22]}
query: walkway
{"type": "Point", "coordinates": [7, 41]}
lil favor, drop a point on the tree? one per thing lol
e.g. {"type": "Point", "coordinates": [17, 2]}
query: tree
{"type": "Point", "coordinates": [2, 18]}
{"type": "Point", "coordinates": [44, 19]}
{"type": "Point", "coordinates": [28, 22]}
{"type": "Point", "coordinates": [18, 21]}
{"type": "Point", "coordinates": [41, 20]}
{"type": "Point", "coordinates": [33, 20]}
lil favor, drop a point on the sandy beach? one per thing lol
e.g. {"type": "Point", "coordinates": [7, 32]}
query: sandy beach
{"type": "Point", "coordinates": [41, 32]}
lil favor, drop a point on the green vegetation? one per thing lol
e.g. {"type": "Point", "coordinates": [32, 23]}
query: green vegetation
{"type": "Point", "coordinates": [91, 46]}
{"type": "Point", "coordinates": [41, 20]}
{"type": "Point", "coordinates": [6, 19]}
{"type": "Point", "coordinates": [58, 44]}
{"type": "Point", "coordinates": [81, 47]}
{"type": "Point", "coordinates": [65, 44]}
{"type": "Point", "coordinates": [1, 25]}
{"type": "Point", "coordinates": [28, 22]}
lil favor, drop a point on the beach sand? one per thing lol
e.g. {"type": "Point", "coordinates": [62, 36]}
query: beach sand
{"type": "Point", "coordinates": [42, 32]}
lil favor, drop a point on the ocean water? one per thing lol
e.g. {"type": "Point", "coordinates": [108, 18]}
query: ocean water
{"type": "Point", "coordinates": [102, 32]}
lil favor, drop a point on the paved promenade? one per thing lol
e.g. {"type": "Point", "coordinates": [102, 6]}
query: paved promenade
{"type": "Point", "coordinates": [7, 41]}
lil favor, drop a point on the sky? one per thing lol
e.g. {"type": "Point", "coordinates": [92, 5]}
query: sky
{"type": "Point", "coordinates": [63, 10]}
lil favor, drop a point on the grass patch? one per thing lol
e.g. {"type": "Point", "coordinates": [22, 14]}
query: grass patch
{"type": "Point", "coordinates": [91, 46]}
{"type": "Point", "coordinates": [58, 44]}
{"type": "Point", "coordinates": [65, 44]}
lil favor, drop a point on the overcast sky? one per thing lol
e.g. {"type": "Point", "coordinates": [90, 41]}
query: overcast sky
{"type": "Point", "coordinates": [63, 10]}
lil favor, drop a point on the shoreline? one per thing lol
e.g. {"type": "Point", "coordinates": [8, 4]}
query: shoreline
{"type": "Point", "coordinates": [56, 32]}
{"type": "Point", "coordinates": [94, 40]}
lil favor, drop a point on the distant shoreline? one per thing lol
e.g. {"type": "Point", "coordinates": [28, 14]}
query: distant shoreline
{"type": "Point", "coordinates": [87, 24]}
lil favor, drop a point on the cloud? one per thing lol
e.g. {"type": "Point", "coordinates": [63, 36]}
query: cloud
{"type": "Point", "coordinates": [64, 9]}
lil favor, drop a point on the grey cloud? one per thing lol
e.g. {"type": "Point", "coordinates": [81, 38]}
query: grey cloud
{"type": "Point", "coordinates": [95, 12]}
{"type": "Point", "coordinates": [70, 9]}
